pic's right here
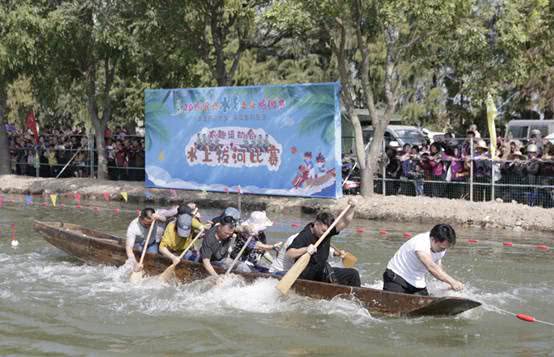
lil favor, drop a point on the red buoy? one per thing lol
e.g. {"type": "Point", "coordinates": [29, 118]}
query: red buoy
{"type": "Point", "coordinates": [382, 231]}
{"type": "Point", "coordinates": [117, 210]}
{"type": "Point", "coordinates": [507, 244]}
{"type": "Point", "coordinates": [295, 225]}
{"type": "Point", "coordinates": [526, 318]}
{"type": "Point", "coordinates": [359, 230]}
{"type": "Point", "coordinates": [472, 241]}
{"type": "Point", "coordinates": [407, 235]}
{"type": "Point", "coordinates": [542, 247]}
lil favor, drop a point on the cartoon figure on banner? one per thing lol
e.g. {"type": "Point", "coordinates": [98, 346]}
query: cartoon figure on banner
{"type": "Point", "coordinates": [304, 170]}
{"type": "Point", "coordinates": [310, 176]}
{"type": "Point", "coordinates": [320, 166]}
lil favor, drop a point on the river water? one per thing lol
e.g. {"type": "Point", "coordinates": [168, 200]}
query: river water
{"type": "Point", "coordinates": [50, 304]}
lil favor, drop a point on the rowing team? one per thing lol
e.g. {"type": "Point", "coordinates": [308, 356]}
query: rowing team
{"type": "Point", "coordinates": [176, 228]}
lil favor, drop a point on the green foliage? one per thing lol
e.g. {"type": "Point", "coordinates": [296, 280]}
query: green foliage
{"type": "Point", "coordinates": [447, 55]}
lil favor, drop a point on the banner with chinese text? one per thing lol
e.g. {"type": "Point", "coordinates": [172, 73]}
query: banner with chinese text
{"type": "Point", "coordinates": [275, 140]}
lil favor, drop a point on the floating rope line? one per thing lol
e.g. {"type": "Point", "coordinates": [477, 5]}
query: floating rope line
{"type": "Point", "coordinates": [523, 317]}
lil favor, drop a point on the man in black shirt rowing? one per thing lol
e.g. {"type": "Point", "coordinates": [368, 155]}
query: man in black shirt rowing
{"type": "Point", "coordinates": [318, 269]}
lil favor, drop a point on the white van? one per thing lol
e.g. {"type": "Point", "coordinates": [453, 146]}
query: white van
{"type": "Point", "coordinates": [521, 129]}
{"type": "Point", "coordinates": [403, 134]}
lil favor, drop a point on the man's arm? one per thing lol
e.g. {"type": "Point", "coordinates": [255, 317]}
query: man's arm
{"type": "Point", "coordinates": [347, 218]}
{"type": "Point", "coordinates": [298, 252]}
{"type": "Point", "coordinates": [130, 243]}
{"type": "Point", "coordinates": [437, 271]}
{"type": "Point", "coordinates": [167, 253]}
{"type": "Point", "coordinates": [163, 214]}
{"type": "Point", "coordinates": [208, 266]}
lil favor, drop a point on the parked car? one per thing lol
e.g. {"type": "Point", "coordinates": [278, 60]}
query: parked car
{"type": "Point", "coordinates": [521, 129]}
{"type": "Point", "coordinates": [403, 134]}
{"type": "Point", "coordinates": [434, 135]}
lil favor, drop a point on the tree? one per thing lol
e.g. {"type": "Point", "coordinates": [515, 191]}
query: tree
{"type": "Point", "coordinates": [377, 44]}
{"type": "Point", "coordinates": [90, 42]}
{"type": "Point", "coordinates": [20, 26]}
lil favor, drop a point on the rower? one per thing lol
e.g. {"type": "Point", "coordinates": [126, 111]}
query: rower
{"type": "Point", "coordinates": [421, 254]}
{"type": "Point", "coordinates": [253, 227]}
{"type": "Point", "coordinates": [216, 244]}
{"type": "Point", "coordinates": [179, 234]}
{"type": "Point", "coordinates": [318, 268]}
{"type": "Point", "coordinates": [229, 211]}
{"type": "Point", "coordinates": [137, 232]}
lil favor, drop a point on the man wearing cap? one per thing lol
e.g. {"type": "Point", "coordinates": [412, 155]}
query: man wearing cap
{"type": "Point", "coordinates": [229, 211]}
{"type": "Point", "coordinates": [178, 235]}
{"type": "Point", "coordinates": [254, 227]}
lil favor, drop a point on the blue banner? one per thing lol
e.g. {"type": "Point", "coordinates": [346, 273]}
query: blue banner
{"type": "Point", "coordinates": [274, 140]}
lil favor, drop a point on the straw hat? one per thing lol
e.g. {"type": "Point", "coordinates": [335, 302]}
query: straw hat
{"type": "Point", "coordinates": [258, 220]}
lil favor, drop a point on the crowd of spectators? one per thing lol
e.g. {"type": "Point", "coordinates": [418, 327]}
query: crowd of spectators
{"type": "Point", "coordinates": [521, 171]}
{"type": "Point", "coordinates": [58, 147]}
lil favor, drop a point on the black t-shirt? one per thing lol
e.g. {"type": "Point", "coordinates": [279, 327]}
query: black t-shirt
{"type": "Point", "coordinates": [305, 238]}
{"type": "Point", "coordinates": [213, 248]}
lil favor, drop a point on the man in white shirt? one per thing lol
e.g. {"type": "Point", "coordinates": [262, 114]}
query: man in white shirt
{"type": "Point", "coordinates": [137, 231]}
{"type": "Point", "coordinates": [423, 253]}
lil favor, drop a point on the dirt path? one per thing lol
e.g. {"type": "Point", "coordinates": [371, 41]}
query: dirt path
{"type": "Point", "coordinates": [396, 208]}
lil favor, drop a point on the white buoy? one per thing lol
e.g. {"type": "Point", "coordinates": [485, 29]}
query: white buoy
{"type": "Point", "coordinates": [15, 243]}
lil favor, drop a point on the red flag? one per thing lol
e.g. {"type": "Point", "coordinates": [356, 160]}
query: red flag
{"type": "Point", "coordinates": [31, 123]}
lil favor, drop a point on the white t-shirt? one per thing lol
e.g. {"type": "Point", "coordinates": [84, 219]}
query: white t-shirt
{"type": "Point", "coordinates": [282, 262]}
{"type": "Point", "coordinates": [136, 232]}
{"type": "Point", "coordinates": [406, 263]}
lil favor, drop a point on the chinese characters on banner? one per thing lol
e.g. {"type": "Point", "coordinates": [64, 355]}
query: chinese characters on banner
{"type": "Point", "coordinates": [278, 140]}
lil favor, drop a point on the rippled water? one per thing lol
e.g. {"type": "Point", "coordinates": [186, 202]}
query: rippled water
{"type": "Point", "coordinates": [52, 304]}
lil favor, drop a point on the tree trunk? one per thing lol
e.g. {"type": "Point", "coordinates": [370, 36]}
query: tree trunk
{"type": "Point", "coordinates": [4, 147]}
{"type": "Point", "coordinates": [99, 127]}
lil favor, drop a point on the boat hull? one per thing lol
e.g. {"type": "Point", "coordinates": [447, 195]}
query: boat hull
{"type": "Point", "coordinates": [95, 247]}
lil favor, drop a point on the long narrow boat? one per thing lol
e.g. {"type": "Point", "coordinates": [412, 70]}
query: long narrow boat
{"type": "Point", "coordinates": [95, 247]}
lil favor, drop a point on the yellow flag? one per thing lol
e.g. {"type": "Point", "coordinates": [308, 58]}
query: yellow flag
{"type": "Point", "coordinates": [53, 198]}
{"type": "Point", "coordinates": [124, 195]}
{"type": "Point", "coordinates": [491, 116]}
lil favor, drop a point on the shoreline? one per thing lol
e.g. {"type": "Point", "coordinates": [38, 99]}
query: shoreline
{"type": "Point", "coordinates": [512, 216]}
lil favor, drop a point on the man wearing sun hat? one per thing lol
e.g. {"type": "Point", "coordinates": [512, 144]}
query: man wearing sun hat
{"type": "Point", "coordinates": [253, 227]}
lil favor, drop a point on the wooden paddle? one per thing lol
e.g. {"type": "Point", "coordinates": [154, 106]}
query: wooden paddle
{"type": "Point", "coordinates": [238, 255]}
{"type": "Point", "coordinates": [170, 270]}
{"type": "Point", "coordinates": [137, 275]}
{"type": "Point", "coordinates": [301, 263]}
{"type": "Point", "coordinates": [349, 259]}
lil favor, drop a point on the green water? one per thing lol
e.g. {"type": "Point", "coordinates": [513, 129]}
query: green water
{"type": "Point", "coordinates": [50, 304]}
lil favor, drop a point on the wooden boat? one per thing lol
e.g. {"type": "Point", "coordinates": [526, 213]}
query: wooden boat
{"type": "Point", "coordinates": [91, 246]}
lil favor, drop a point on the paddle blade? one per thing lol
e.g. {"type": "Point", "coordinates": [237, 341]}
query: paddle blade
{"type": "Point", "coordinates": [167, 274]}
{"type": "Point", "coordinates": [293, 274]}
{"type": "Point", "coordinates": [136, 276]}
{"type": "Point", "coordinates": [349, 260]}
